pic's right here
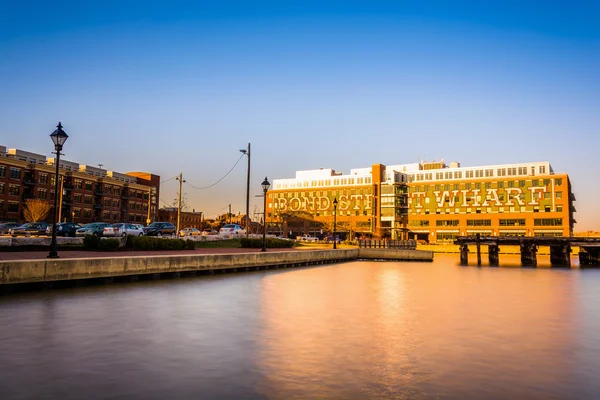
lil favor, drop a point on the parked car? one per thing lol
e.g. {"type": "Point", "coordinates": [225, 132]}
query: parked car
{"type": "Point", "coordinates": [160, 229]}
{"type": "Point", "coordinates": [6, 227]}
{"type": "Point", "coordinates": [64, 229]}
{"type": "Point", "coordinates": [122, 229]}
{"type": "Point", "coordinates": [232, 229]}
{"type": "Point", "coordinates": [307, 238]}
{"type": "Point", "coordinates": [29, 229]}
{"type": "Point", "coordinates": [140, 226]}
{"type": "Point", "coordinates": [207, 232]}
{"type": "Point", "coordinates": [95, 228]}
{"type": "Point", "coordinates": [190, 232]}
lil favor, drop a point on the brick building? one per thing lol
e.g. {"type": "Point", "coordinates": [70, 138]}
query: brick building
{"type": "Point", "coordinates": [188, 219]}
{"type": "Point", "coordinates": [86, 193]}
{"type": "Point", "coordinates": [429, 201]}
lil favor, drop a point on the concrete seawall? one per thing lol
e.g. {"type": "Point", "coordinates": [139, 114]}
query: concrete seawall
{"type": "Point", "coordinates": [52, 270]}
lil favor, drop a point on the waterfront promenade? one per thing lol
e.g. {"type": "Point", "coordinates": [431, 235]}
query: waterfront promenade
{"type": "Point", "coordinates": [34, 267]}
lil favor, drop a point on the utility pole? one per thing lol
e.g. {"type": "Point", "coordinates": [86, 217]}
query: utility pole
{"type": "Point", "coordinates": [229, 214]}
{"type": "Point", "coordinates": [247, 152]}
{"type": "Point", "coordinates": [180, 179]}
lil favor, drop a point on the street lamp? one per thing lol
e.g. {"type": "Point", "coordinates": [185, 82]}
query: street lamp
{"type": "Point", "coordinates": [265, 186]}
{"type": "Point", "coordinates": [59, 137]}
{"type": "Point", "coordinates": [335, 203]}
{"type": "Point", "coordinates": [247, 152]}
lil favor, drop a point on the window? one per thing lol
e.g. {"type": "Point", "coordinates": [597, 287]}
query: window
{"type": "Point", "coordinates": [558, 181]}
{"type": "Point", "coordinates": [1, 188]}
{"type": "Point", "coordinates": [13, 207]}
{"type": "Point", "coordinates": [558, 195]}
{"type": "Point", "coordinates": [14, 190]}
{"type": "Point", "coordinates": [446, 222]}
{"type": "Point", "coordinates": [43, 178]}
{"type": "Point", "coordinates": [479, 222]}
{"type": "Point", "coordinates": [547, 222]}
{"type": "Point", "coordinates": [78, 184]}
{"type": "Point", "coordinates": [77, 198]}
{"type": "Point", "coordinates": [15, 173]}
{"type": "Point", "coordinates": [42, 194]}
{"type": "Point", "coordinates": [512, 222]}
{"type": "Point", "coordinates": [88, 185]}
{"type": "Point", "coordinates": [2, 170]}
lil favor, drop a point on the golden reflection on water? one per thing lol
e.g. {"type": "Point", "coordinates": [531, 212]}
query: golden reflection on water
{"type": "Point", "coordinates": [412, 330]}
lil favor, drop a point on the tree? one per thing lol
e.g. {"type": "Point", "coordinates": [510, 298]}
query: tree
{"type": "Point", "coordinates": [35, 210]}
{"type": "Point", "coordinates": [184, 203]}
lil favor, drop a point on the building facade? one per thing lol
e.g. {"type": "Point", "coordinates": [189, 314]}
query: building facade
{"type": "Point", "coordinates": [86, 193]}
{"type": "Point", "coordinates": [430, 201]}
{"type": "Point", "coordinates": [369, 200]}
{"type": "Point", "coordinates": [187, 219]}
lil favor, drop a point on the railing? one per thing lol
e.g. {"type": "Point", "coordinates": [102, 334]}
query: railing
{"type": "Point", "coordinates": [387, 244]}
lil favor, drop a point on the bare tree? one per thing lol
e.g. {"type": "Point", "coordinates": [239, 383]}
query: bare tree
{"type": "Point", "coordinates": [184, 202]}
{"type": "Point", "coordinates": [35, 210]}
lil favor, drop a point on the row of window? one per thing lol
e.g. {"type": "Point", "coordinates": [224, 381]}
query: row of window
{"type": "Point", "coordinates": [325, 182]}
{"type": "Point", "coordinates": [477, 173]}
{"type": "Point", "coordinates": [485, 185]}
{"type": "Point", "coordinates": [512, 209]}
{"type": "Point", "coordinates": [488, 222]}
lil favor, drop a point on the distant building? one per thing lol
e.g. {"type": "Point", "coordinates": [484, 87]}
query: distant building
{"type": "Point", "coordinates": [188, 219]}
{"type": "Point", "coordinates": [88, 193]}
{"type": "Point", "coordinates": [429, 201]}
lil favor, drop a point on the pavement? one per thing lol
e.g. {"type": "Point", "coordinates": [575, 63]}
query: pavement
{"type": "Point", "coordinates": [38, 255]}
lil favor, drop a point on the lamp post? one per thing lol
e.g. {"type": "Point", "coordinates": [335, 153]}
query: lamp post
{"type": "Point", "coordinates": [247, 152]}
{"type": "Point", "coordinates": [265, 186]}
{"type": "Point", "coordinates": [59, 137]}
{"type": "Point", "coordinates": [335, 203]}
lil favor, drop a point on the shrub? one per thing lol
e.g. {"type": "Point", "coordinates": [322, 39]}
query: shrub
{"type": "Point", "coordinates": [154, 243]}
{"type": "Point", "coordinates": [91, 241]}
{"type": "Point", "coordinates": [270, 242]}
{"type": "Point", "coordinates": [109, 244]}
{"type": "Point", "coordinates": [190, 244]}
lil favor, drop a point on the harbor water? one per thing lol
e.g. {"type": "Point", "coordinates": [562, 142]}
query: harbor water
{"type": "Point", "coordinates": [357, 330]}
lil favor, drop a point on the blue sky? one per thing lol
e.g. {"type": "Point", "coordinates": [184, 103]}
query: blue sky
{"type": "Point", "coordinates": [171, 87]}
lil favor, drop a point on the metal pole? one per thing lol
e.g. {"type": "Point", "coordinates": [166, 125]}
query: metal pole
{"type": "Point", "coordinates": [149, 196]}
{"type": "Point", "coordinates": [60, 200]}
{"type": "Point", "coordinates": [179, 202]}
{"type": "Point", "coordinates": [229, 215]}
{"type": "Point", "coordinates": [248, 196]}
{"type": "Point", "coordinates": [334, 223]}
{"type": "Point", "coordinates": [53, 245]}
{"type": "Point", "coordinates": [264, 243]}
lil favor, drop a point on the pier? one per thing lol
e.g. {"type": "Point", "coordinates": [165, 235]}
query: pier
{"type": "Point", "coordinates": [560, 249]}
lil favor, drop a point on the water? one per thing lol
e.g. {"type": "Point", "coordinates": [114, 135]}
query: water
{"type": "Point", "coordinates": [348, 331]}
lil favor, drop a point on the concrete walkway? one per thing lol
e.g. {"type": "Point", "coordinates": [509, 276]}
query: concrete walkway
{"type": "Point", "coordinates": [68, 254]}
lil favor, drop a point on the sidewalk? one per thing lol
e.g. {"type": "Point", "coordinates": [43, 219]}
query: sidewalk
{"type": "Point", "coordinates": [37, 255]}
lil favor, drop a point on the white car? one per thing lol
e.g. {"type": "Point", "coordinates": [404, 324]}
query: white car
{"type": "Point", "coordinates": [122, 229]}
{"type": "Point", "coordinates": [232, 229]}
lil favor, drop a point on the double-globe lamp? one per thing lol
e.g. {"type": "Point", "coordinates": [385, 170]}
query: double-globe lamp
{"type": "Point", "coordinates": [265, 185]}
{"type": "Point", "coordinates": [59, 137]}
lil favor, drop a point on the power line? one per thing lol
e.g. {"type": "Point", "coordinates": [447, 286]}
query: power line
{"type": "Point", "coordinates": [167, 180]}
{"type": "Point", "coordinates": [225, 176]}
